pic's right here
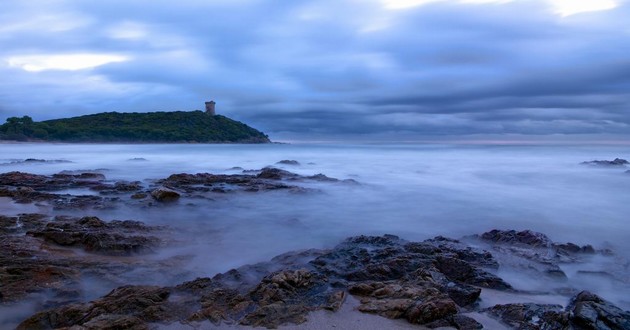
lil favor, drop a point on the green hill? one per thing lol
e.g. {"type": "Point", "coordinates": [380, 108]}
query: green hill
{"type": "Point", "coordinates": [170, 127]}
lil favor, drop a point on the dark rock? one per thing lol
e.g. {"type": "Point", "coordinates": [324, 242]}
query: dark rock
{"type": "Point", "coordinates": [461, 271]}
{"type": "Point", "coordinates": [125, 305]}
{"type": "Point", "coordinates": [97, 236]}
{"type": "Point", "coordinates": [288, 162]}
{"type": "Point", "coordinates": [22, 179]}
{"type": "Point", "coordinates": [163, 194]}
{"type": "Point", "coordinates": [139, 196]}
{"type": "Point", "coordinates": [463, 295]}
{"type": "Point", "coordinates": [615, 162]}
{"type": "Point", "coordinates": [427, 283]}
{"type": "Point", "coordinates": [531, 316]}
{"type": "Point", "coordinates": [272, 173]}
{"type": "Point", "coordinates": [589, 311]}
{"type": "Point", "coordinates": [570, 248]}
{"type": "Point", "coordinates": [525, 237]}
{"type": "Point", "coordinates": [456, 321]}
{"type": "Point", "coordinates": [127, 186]}
{"type": "Point", "coordinates": [137, 159]}
{"type": "Point", "coordinates": [321, 177]}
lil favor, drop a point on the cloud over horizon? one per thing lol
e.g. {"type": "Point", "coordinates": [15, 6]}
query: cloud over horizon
{"type": "Point", "coordinates": [349, 67]}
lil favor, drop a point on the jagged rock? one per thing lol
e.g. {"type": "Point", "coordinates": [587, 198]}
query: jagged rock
{"type": "Point", "coordinates": [463, 295]}
{"type": "Point", "coordinates": [525, 237]}
{"type": "Point", "coordinates": [585, 311]}
{"type": "Point", "coordinates": [22, 179]}
{"type": "Point", "coordinates": [127, 186]}
{"type": "Point", "coordinates": [531, 316]}
{"type": "Point", "coordinates": [428, 283]}
{"type": "Point", "coordinates": [461, 271]}
{"type": "Point", "coordinates": [95, 235]}
{"type": "Point", "coordinates": [456, 321]}
{"type": "Point", "coordinates": [139, 196]}
{"type": "Point", "coordinates": [589, 311]}
{"type": "Point", "coordinates": [322, 177]}
{"type": "Point", "coordinates": [163, 194]}
{"type": "Point", "coordinates": [615, 162]}
{"type": "Point", "coordinates": [273, 173]}
{"type": "Point", "coordinates": [124, 305]}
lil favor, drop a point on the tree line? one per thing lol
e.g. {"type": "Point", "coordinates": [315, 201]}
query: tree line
{"type": "Point", "coordinates": [172, 127]}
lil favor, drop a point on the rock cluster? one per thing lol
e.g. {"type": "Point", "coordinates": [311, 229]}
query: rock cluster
{"type": "Point", "coordinates": [38, 254]}
{"type": "Point", "coordinates": [433, 283]}
{"type": "Point", "coordinates": [585, 311]}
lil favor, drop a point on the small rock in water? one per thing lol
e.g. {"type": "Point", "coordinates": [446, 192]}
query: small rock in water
{"type": "Point", "coordinates": [163, 194]}
{"type": "Point", "coordinates": [288, 162]}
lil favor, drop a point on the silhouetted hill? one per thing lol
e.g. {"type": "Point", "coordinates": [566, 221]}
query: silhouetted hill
{"type": "Point", "coordinates": [178, 126]}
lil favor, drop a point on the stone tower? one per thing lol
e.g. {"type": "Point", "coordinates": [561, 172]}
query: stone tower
{"type": "Point", "coordinates": [210, 108]}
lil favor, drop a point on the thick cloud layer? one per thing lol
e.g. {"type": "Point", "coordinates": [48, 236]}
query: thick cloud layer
{"type": "Point", "coordinates": [304, 69]}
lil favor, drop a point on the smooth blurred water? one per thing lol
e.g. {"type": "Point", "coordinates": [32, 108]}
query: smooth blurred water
{"type": "Point", "coordinates": [414, 191]}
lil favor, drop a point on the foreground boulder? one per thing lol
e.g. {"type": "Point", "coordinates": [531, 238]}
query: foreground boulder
{"type": "Point", "coordinates": [589, 311]}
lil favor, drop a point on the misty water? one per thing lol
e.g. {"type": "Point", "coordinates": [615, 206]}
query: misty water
{"type": "Point", "coordinates": [413, 191]}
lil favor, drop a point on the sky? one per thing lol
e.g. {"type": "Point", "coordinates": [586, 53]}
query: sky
{"type": "Point", "coordinates": [329, 69]}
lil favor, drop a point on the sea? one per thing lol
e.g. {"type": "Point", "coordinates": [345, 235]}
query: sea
{"type": "Point", "coordinates": [414, 191]}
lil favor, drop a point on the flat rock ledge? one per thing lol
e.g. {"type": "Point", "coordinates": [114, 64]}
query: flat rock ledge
{"type": "Point", "coordinates": [432, 283]}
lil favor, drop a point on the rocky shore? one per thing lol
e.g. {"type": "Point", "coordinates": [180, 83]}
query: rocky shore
{"type": "Point", "coordinates": [53, 263]}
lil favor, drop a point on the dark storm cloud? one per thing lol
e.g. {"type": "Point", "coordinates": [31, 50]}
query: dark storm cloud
{"type": "Point", "coordinates": [335, 68]}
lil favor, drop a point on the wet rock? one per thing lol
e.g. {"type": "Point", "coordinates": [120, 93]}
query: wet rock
{"type": "Point", "coordinates": [531, 316]}
{"type": "Point", "coordinates": [461, 271]}
{"type": "Point", "coordinates": [126, 305]}
{"type": "Point", "coordinates": [139, 196]}
{"type": "Point", "coordinates": [525, 237]}
{"type": "Point", "coordinates": [585, 311]}
{"type": "Point", "coordinates": [589, 311]}
{"type": "Point", "coordinates": [463, 295]}
{"type": "Point", "coordinates": [322, 177]}
{"type": "Point", "coordinates": [127, 186]}
{"type": "Point", "coordinates": [163, 194]}
{"type": "Point", "coordinates": [615, 162]}
{"type": "Point", "coordinates": [289, 162]}
{"type": "Point", "coordinates": [456, 321]}
{"type": "Point", "coordinates": [22, 179]}
{"type": "Point", "coordinates": [97, 236]}
{"type": "Point", "coordinates": [570, 248]}
{"type": "Point", "coordinates": [428, 283]}
{"type": "Point", "coordinates": [272, 173]}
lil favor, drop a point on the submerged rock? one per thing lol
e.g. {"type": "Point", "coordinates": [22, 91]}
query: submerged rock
{"type": "Point", "coordinates": [615, 162]}
{"type": "Point", "coordinates": [526, 237]}
{"type": "Point", "coordinates": [289, 162]}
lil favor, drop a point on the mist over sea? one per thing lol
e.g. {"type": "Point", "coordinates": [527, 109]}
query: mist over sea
{"type": "Point", "coordinates": [413, 191]}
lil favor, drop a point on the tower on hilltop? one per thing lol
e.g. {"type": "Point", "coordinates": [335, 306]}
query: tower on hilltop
{"type": "Point", "coordinates": [210, 108]}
